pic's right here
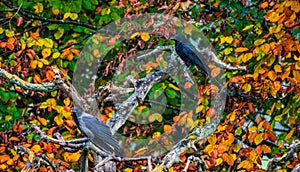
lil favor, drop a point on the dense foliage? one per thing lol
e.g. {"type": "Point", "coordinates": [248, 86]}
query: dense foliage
{"type": "Point", "coordinates": [262, 35]}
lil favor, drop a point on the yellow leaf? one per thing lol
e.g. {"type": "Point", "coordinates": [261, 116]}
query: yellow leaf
{"type": "Point", "coordinates": [66, 15]}
{"type": "Point", "coordinates": [272, 75]}
{"type": "Point", "coordinates": [1, 30]}
{"type": "Point", "coordinates": [145, 36]}
{"type": "Point", "coordinates": [44, 61]}
{"type": "Point", "coordinates": [36, 148]}
{"type": "Point", "coordinates": [46, 52]}
{"type": "Point", "coordinates": [259, 42]}
{"type": "Point", "coordinates": [174, 87]}
{"type": "Point", "coordinates": [247, 88]}
{"type": "Point", "coordinates": [127, 170]}
{"type": "Point", "coordinates": [281, 170]}
{"type": "Point", "coordinates": [277, 68]}
{"type": "Point", "coordinates": [247, 57]}
{"type": "Point", "coordinates": [248, 27]}
{"type": "Point", "coordinates": [245, 164]}
{"type": "Point", "coordinates": [258, 139]}
{"type": "Point", "coordinates": [9, 33]}
{"type": "Point", "coordinates": [67, 101]}
{"type": "Point", "coordinates": [56, 55]}
{"type": "Point", "coordinates": [156, 135]}
{"type": "Point", "coordinates": [227, 39]}
{"type": "Point", "coordinates": [51, 101]}
{"type": "Point", "coordinates": [44, 105]}
{"type": "Point", "coordinates": [241, 49]}
{"type": "Point", "coordinates": [297, 65]}
{"type": "Point", "coordinates": [66, 114]}
{"type": "Point", "coordinates": [265, 48]}
{"type": "Point", "coordinates": [38, 8]}
{"type": "Point", "coordinates": [236, 147]}
{"type": "Point", "coordinates": [273, 16]}
{"type": "Point", "coordinates": [155, 116]}
{"type": "Point", "coordinates": [59, 33]}
{"type": "Point", "coordinates": [212, 139]}
{"type": "Point", "coordinates": [188, 29]}
{"type": "Point", "coordinates": [59, 120]}
{"type": "Point", "coordinates": [275, 88]}
{"type": "Point", "coordinates": [40, 64]}
{"type": "Point", "coordinates": [74, 16]}
{"type": "Point", "coordinates": [296, 74]}
{"type": "Point", "coordinates": [48, 42]}
{"type": "Point", "coordinates": [227, 51]}
{"type": "Point", "coordinates": [218, 161]}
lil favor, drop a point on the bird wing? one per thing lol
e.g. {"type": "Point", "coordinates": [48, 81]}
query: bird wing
{"type": "Point", "coordinates": [190, 50]}
{"type": "Point", "coordinates": [102, 135]}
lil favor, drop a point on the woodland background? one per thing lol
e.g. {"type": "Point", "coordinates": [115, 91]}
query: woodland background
{"type": "Point", "coordinates": [259, 130]}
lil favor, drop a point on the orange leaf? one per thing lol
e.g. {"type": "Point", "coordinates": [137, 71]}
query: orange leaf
{"type": "Point", "coordinates": [4, 158]}
{"type": "Point", "coordinates": [267, 125]}
{"type": "Point", "coordinates": [37, 79]}
{"type": "Point", "coordinates": [241, 49]}
{"type": "Point", "coordinates": [36, 148]}
{"type": "Point", "coordinates": [215, 71]}
{"type": "Point", "coordinates": [167, 129]}
{"type": "Point", "coordinates": [42, 120]}
{"type": "Point", "coordinates": [290, 134]}
{"type": "Point", "coordinates": [145, 36]}
{"type": "Point", "coordinates": [271, 136]}
{"type": "Point", "coordinates": [264, 5]}
{"type": "Point", "coordinates": [272, 75]}
{"type": "Point", "coordinates": [252, 136]}
{"type": "Point", "coordinates": [50, 75]}
{"type": "Point", "coordinates": [182, 157]}
{"type": "Point", "coordinates": [14, 139]}
{"type": "Point", "coordinates": [266, 148]}
{"type": "Point", "coordinates": [212, 139]}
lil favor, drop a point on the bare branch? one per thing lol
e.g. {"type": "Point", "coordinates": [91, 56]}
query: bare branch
{"type": "Point", "coordinates": [45, 87]}
{"type": "Point", "coordinates": [275, 162]}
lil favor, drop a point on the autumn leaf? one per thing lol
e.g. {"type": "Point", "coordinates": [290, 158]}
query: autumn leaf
{"type": "Point", "coordinates": [46, 52]}
{"type": "Point", "coordinates": [241, 49]}
{"type": "Point", "coordinates": [38, 8]}
{"type": "Point", "coordinates": [145, 36]}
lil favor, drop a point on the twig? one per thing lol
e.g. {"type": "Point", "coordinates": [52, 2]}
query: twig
{"type": "Point", "coordinates": [275, 162]}
{"type": "Point", "coordinates": [72, 144]}
{"type": "Point", "coordinates": [45, 87]}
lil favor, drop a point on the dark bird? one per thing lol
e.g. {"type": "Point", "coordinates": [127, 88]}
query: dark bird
{"type": "Point", "coordinates": [98, 132]}
{"type": "Point", "coordinates": [188, 53]}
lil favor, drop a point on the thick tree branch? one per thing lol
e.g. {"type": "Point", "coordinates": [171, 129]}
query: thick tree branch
{"type": "Point", "coordinates": [45, 87]}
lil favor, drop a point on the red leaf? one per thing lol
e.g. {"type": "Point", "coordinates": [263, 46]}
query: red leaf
{"type": "Point", "coordinates": [19, 21]}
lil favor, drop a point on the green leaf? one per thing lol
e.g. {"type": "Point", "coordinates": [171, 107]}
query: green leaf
{"type": "Point", "coordinates": [171, 93]}
{"type": "Point", "coordinates": [59, 33]}
{"type": "Point", "coordinates": [37, 138]}
{"type": "Point", "coordinates": [87, 5]}
{"type": "Point", "coordinates": [53, 26]}
{"type": "Point", "coordinates": [27, 4]}
{"type": "Point", "coordinates": [115, 16]}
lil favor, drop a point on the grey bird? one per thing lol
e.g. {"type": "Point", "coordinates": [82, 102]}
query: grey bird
{"type": "Point", "coordinates": [188, 53]}
{"type": "Point", "coordinates": [98, 132]}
